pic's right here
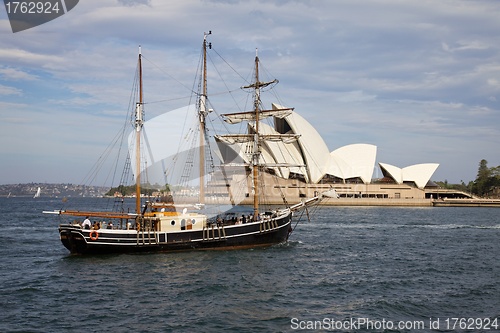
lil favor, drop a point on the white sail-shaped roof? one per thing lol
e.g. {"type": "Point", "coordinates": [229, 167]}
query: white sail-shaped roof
{"type": "Point", "coordinates": [309, 149]}
{"type": "Point", "coordinates": [392, 171]}
{"type": "Point", "coordinates": [338, 167]}
{"type": "Point", "coordinates": [420, 174]}
{"type": "Point", "coordinates": [314, 150]}
{"type": "Point", "coordinates": [352, 161]}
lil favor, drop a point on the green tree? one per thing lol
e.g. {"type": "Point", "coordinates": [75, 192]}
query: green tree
{"type": "Point", "coordinates": [495, 172]}
{"type": "Point", "coordinates": [146, 189]}
{"type": "Point", "coordinates": [483, 174]}
{"type": "Point", "coordinates": [487, 179]}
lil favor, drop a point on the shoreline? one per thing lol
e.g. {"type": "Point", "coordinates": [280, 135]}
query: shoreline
{"type": "Point", "coordinates": [466, 203]}
{"type": "Point", "coordinates": [347, 202]}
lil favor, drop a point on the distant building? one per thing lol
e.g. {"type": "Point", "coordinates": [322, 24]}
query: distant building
{"type": "Point", "coordinates": [303, 165]}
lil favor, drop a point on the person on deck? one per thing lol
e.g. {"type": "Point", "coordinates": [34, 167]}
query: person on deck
{"type": "Point", "coordinates": [86, 223]}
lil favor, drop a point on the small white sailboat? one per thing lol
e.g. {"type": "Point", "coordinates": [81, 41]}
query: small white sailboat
{"type": "Point", "coordinates": [38, 192]}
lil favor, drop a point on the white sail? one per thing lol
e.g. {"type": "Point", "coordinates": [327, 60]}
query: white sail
{"type": "Point", "coordinates": [38, 192]}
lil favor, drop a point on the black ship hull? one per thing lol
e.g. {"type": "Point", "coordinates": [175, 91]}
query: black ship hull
{"type": "Point", "coordinates": [212, 237]}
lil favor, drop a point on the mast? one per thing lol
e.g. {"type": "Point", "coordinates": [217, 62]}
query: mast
{"type": "Point", "coordinates": [256, 137]}
{"type": "Point", "coordinates": [256, 143]}
{"type": "Point", "coordinates": [202, 115]}
{"type": "Point", "coordinates": [139, 121]}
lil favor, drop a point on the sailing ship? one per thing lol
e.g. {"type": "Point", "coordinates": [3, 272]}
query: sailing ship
{"type": "Point", "coordinates": [37, 193]}
{"type": "Point", "coordinates": [161, 226]}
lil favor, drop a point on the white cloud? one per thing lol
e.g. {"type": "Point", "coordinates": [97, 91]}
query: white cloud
{"type": "Point", "coordinates": [15, 74]}
{"type": "Point", "coordinates": [29, 58]}
{"type": "Point", "coordinates": [135, 2]}
{"type": "Point", "coordinates": [6, 90]}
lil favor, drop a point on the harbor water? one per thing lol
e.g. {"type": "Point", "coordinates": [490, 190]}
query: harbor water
{"type": "Point", "coordinates": [348, 269]}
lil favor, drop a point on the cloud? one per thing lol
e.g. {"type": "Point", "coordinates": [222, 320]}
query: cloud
{"type": "Point", "coordinates": [6, 90]}
{"type": "Point", "coordinates": [135, 2]}
{"type": "Point", "coordinates": [25, 57]}
{"type": "Point", "coordinates": [15, 74]}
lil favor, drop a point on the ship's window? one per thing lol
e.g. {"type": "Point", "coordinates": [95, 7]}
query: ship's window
{"type": "Point", "coordinates": [193, 221]}
{"type": "Point", "coordinates": [172, 222]}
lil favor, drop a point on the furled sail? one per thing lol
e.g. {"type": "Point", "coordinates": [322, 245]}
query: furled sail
{"type": "Point", "coordinates": [234, 118]}
{"type": "Point", "coordinates": [244, 138]}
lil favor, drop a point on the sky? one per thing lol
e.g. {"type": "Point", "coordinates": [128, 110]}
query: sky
{"type": "Point", "coordinates": [420, 79]}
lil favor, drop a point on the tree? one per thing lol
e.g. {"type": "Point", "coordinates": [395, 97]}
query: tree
{"type": "Point", "coordinates": [495, 172]}
{"type": "Point", "coordinates": [483, 172]}
{"type": "Point", "coordinates": [146, 189]}
{"type": "Point", "coordinates": [483, 175]}
{"type": "Point", "coordinates": [488, 179]}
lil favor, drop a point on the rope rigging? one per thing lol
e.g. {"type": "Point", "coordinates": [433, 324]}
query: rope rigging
{"type": "Point", "coordinates": [213, 126]}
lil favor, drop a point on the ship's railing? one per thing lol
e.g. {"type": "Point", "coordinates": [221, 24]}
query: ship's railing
{"type": "Point", "coordinates": [146, 231]}
{"type": "Point", "coordinates": [210, 230]}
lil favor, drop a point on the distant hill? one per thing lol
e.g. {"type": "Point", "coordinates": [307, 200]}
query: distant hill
{"type": "Point", "coordinates": [52, 190]}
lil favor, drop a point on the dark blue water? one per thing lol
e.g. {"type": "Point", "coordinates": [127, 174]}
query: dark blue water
{"type": "Point", "coordinates": [408, 266]}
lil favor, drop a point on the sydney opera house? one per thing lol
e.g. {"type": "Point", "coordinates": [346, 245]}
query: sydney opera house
{"type": "Point", "coordinates": [305, 166]}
